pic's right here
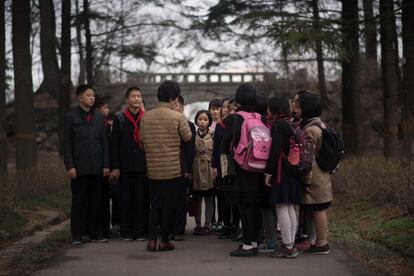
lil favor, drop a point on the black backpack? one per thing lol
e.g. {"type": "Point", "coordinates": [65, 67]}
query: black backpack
{"type": "Point", "coordinates": [332, 150]}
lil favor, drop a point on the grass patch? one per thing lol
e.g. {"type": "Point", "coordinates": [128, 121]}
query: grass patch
{"type": "Point", "coordinates": [28, 200]}
{"type": "Point", "coordinates": [380, 236]}
{"type": "Point", "coordinates": [12, 223]}
{"type": "Point", "coordinates": [33, 258]}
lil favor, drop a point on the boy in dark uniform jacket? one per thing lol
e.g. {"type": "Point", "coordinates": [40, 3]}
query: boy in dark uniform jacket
{"type": "Point", "coordinates": [86, 159]}
{"type": "Point", "coordinates": [187, 152]}
{"type": "Point", "coordinates": [110, 188]}
{"type": "Point", "coordinates": [129, 162]}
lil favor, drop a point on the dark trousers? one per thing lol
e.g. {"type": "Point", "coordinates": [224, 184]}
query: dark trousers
{"type": "Point", "coordinates": [230, 214]}
{"type": "Point", "coordinates": [181, 211]}
{"type": "Point", "coordinates": [165, 196]}
{"type": "Point", "coordinates": [86, 215]}
{"type": "Point", "coordinates": [251, 222]}
{"type": "Point", "coordinates": [109, 192]}
{"type": "Point", "coordinates": [134, 204]}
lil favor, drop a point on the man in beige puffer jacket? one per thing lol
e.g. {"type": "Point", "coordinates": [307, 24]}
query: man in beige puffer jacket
{"type": "Point", "coordinates": [162, 129]}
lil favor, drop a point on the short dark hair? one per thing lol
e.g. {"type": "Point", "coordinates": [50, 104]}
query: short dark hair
{"type": "Point", "coordinates": [100, 101]}
{"type": "Point", "coordinates": [130, 89]}
{"type": "Point", "coordinates": [310, 104]}
{"type": "Point", "coordinates": [210, 119]}
{"type": "Point", "coordinates": [261, 104]}
{"type": "Point", "coordinates": [215, 102]}
{"type": "Point", "coordinates": [279, 105]}
{"type": "Point", "coordinates": [82, 89]}
{"type": "Point", "coordinates": [302, 92]}
{"type": "Point", "coordinates": [246, 95]}
{"type": "Point", "coordinates": [233, 100]}
{"type": "Point", "coordinates": [180, 99]}
{"type": "Point", "coordinates": [225, 100]}
{"type": "Point", "coordinates": [168, 91]}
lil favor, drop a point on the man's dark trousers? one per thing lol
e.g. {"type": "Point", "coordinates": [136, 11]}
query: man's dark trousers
{"type": "Point", "coordinates": [134, 204]}
{"type": "Point", "coordinates": [86, 214]}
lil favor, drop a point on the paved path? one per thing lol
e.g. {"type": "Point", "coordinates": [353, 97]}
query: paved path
{"type": "Point", "coordinates": [195, 256]}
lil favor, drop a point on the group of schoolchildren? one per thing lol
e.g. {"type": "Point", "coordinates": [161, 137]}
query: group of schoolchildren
{"type": "Point", "coordinates": [253, 161]}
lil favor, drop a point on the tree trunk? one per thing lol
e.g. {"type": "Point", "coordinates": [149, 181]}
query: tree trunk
{"type": "Point", "coordinates": [88, 37]}
{"type": "Point", "coordinates": [351, 104]}
{"type": "Point", "coordinates": [26, 148]}
{"type": "Point", "coordinates": [390, 80]}
{"type": "Point", "coordinates": [319, 56]}
{"type": "Point", "coordinates": [79, 22]}
{"type": "Point", "coordinates": [370, 34]}
{"type": "Point", "coordinates": [3, 125]}
{"type": "Point", "coordinates": [51, 78]}
{"type": "Point", "coordinates": [408, 77]}
{"type": "Point", "coordinates": [65, 89]}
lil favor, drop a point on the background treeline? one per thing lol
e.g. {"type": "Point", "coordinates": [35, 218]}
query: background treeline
{"type": "Point", "coordinates": [370, 42]}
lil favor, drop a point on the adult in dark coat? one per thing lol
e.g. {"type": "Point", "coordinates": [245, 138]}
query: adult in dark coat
{"type": "Point", "coordinates": [129, 162]}
{"type": "Point", "coordinates": [249, 184]}
{"type": "Point", "coordinates": [86, 157]}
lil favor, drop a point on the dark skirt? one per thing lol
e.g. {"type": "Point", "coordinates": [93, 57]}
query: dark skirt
{"type": "Point", "coordinates": [288, 191]}
{"type": "Point", "coordinates": [316, 207]}
{"type": "Point", "coordinates": [166, 193]}
{"type": "Point", "coordinates": [249, 186]}
{"type": "Point", "coordinates": [228, 197]}
{"type": "Point", "coordinates": [206, 193]}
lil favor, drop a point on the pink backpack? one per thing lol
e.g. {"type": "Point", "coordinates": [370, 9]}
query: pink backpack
{"type": "Point", "coordinates": [255, 143]}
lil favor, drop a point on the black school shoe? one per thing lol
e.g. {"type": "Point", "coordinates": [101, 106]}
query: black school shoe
{"type": "Point", "coordinates": [240, 252]}
{"type": "Point", "coordinates": [99, 239]}
{"type": "Point", "coordinates": [317, 250]}
{"type": "Point", "coordinates": [77, 242]}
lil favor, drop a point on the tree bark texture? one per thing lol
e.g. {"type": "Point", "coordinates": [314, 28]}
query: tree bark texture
{"type": "Point", "coordinates": [78, 25]}
{"type": "Point", "coordinates": [3, 125]}
{"type": "Point", "coordinates": [351, 104]}
{"type": "Point", "coordinates": [408, 76]}
{"type": "Point", "coordinates": [51, 77]}
{"type": "Point", "coordinates": [26, 148]}
{"type": "Point", "coordinates": [370, 34]}
{"type": "Point", "coordinates": [66, 84]}
{"type": "Point", "coordinates": [88, 38]}
{"type": "Point", "coordinates": [319, 56]}
{"type": "Point", "coordinates": [392, 109]}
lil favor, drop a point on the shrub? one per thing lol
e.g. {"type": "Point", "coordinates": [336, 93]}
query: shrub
{"type": "Point", "coordinates": [376, 178]}
{"type": "Point", "coordinates": [45, 186]}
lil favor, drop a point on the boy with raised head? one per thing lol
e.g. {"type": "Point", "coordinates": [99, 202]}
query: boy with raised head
{"type": "Point", "coordinates": [86, 159]}
{"type": "Point", "coordinates": [129, 162]}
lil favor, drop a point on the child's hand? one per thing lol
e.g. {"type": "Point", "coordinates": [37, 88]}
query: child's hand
{"type": "Point", "coordinates": [71, 173]}
{"type": "Point", "coordinates": [187, 176]}
{"type": "Point", "coordinates": [113, 177]}
{"type": "Point", "coordinates": [214, 172]}
{"type": "Point", "coordinates": [267, 180]}
{"type": "Point", "coordinates": [105, 172]}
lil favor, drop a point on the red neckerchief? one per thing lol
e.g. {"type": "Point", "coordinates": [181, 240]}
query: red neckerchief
{"type": "Point", "coordinates": [221, 123]}
{"type": "Point", "coordinates": [88, 118]}
{"type": "Point", "coordinates": [137, 135]}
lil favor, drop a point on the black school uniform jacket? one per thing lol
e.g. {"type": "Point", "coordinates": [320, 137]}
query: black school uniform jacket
{"type": "Point", "coordinates": [187, 151]}
{"type": "Point", "coordinates": [126, 153]}
{"type": "Point", "coordinates": [85, 145]}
